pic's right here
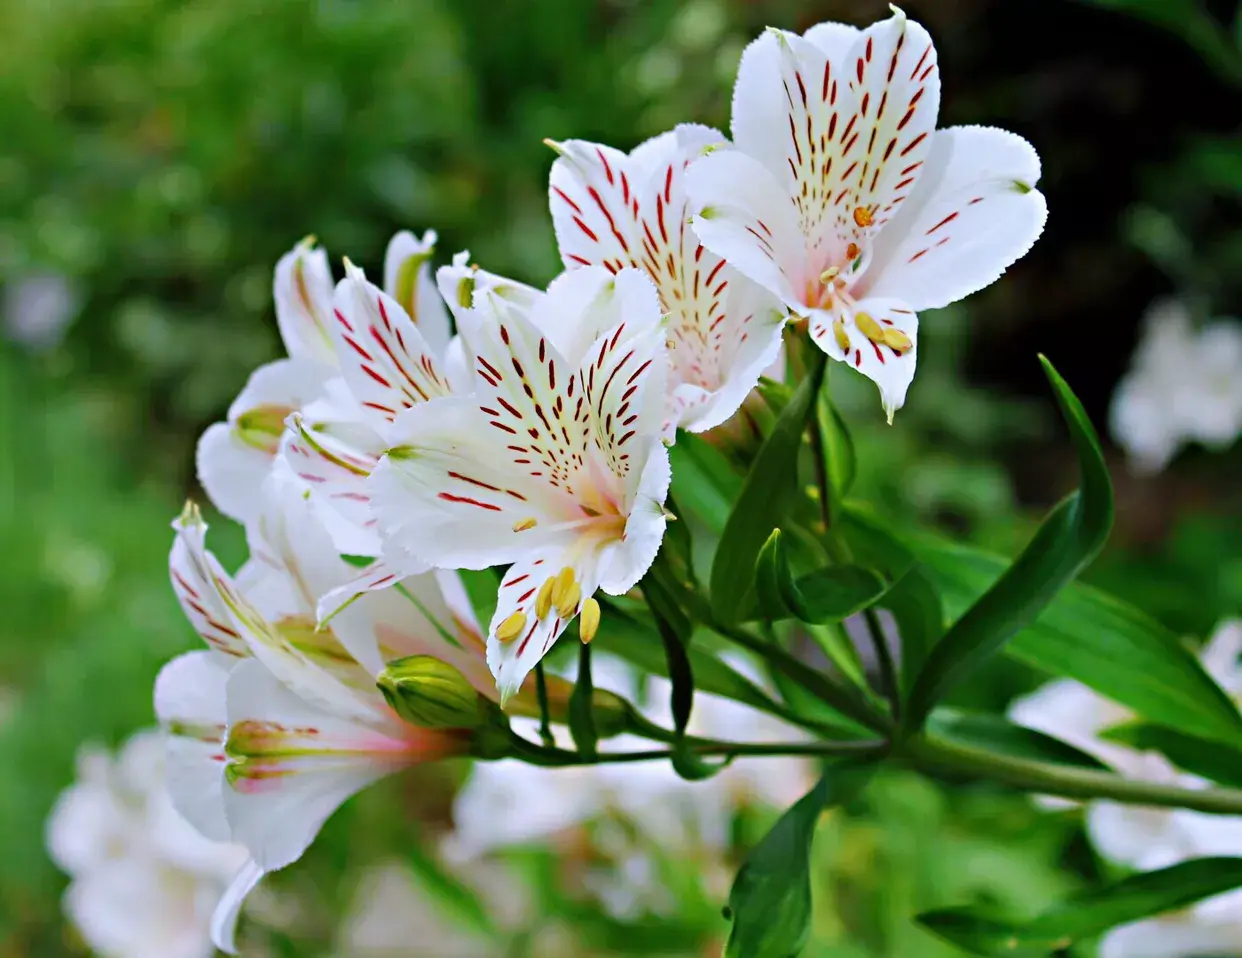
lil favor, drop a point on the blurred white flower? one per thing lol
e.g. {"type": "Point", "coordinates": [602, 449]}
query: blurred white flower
{"type": "Point", "coordinates": [144, 882]}
{"type": "Point", "coordinates": [1150, 838]}
{"type": "Point", "coordinates": [1183, 386]}
{"type": "Point", "coordinates": [38, 309]}
{"type": "Point", "coordinates": [510, 804]}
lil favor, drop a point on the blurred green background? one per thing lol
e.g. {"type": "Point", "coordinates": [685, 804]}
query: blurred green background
{"type": "Point", "coordinates": [159, 155]}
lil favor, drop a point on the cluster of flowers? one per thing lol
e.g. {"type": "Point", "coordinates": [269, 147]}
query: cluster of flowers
{"type": "Point", "coordinates": [1183, 386]}
{"type": "Point", "coordinates": [1149, 838]}
{"type": "Point", "coordinates": [536, 437]}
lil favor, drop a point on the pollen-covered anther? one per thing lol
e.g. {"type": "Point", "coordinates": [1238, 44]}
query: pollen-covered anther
{"type": "Point", "coordinates": [852, 251]}
{"type": "Point", "coordinates": [511, 628]}
{"type": "Point", "coordinates": [863, 217]}
{"type": "Point", "coordinates": [869, 327]}
{"type": "Point", "coordinates": [588, 620]}
{"type": "Point", "coordinates": [838, 332]}
{"type": "Point", "coordinates": [896, 340]}
{"type": "Point", "coordinates": [828, 275]}
{"type": "Point", "coordinates": [568, 603]}
{"type": "Point", "coordinates": [561, 585]}
{"type": "Point", "coordinates": [543, 601]}
{"type": "Point", "coordinates": [523, 524]}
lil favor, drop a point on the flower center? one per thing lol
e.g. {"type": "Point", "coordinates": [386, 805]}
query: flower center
{"type": "Point", "coordinates": [831, 285]}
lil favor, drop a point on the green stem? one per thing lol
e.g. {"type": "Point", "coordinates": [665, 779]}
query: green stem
{"type": "Point", "coordinates": [561, 758]}
{"type": "Point", "coordinates": [545, 718]}
{"type": "Point", "coordinates": [937, 756]}
{"type": "Point", "coordinates": [884, 658]}
{"type": "Point", "coordinates": [844, 699]}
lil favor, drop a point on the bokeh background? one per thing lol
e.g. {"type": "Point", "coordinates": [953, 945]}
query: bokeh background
{"type": "Point", "coordinates": [159, 155]}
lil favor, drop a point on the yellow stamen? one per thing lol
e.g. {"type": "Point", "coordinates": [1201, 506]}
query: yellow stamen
{"type": "Point", "coordinates": [523, 524]}
{"type": "Point", "coordinates": [560, 585]}
{"type": "Point", "coordinates": [838, 331]}
{"type": "Point", "coordinates": [588, 620]}
{"type": "Point", "coordinates": [828, 275]}
{"type": "Point", "coordinates": [568, 603]}
{"type": "Point", "coordinates": [543, 601]}
{"type": "Point", "coordinates": [897, 340]}
{"type": "Point", "coordinates": [863, 216]}
{"type": "Point", "coordinates": [511, 628]}
{"type": "Point", "coordinates": [869, 327]}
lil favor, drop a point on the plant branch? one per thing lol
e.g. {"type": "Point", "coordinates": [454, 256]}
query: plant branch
{"type": "Point", "coordinates": [884, 658]}
{"type": "Point", "coordinates": [938, 756]}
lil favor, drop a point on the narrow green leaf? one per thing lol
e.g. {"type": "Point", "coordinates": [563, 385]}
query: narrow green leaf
{"type": "Point", "coordinates": [840, 459]}
{"type": "Point", "coordinates": [994, 734]}
{"type": "Point", "coordinates": [830, 594]}
{"type": "Point", "coordinates": [481, 588]}
{"type": "Point", "coordinates": [1098, 640]}
{"type": "Point", "coordinates": [704, 482]}
{"type": "Point", "coordinates": [1069, 538]}
{"type": "Point", "coordinates": [770, 902]}
{"type": "Point", "coordinates": [770, 488]}
{"type": "Point", "coordinates": [1130, 900]}
{"type": "Point", "coordinates": [1211, 760]}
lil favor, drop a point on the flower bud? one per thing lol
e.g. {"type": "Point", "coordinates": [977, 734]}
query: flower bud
{"type": "Point", "coordinates": [430, 693]}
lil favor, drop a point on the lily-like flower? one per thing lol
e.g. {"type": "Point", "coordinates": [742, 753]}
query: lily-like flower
{"type": "Point", "coordinates": [234, 457]}
{"type": "Point", "coordinates": [616, 210]}
{"type": "Point", "coordinates": [555, 464]}
{"type": "Point", "coordinates": [1150, 838]}
{"type": "Point", "coordinates": [143, 881]}
{"type": "Point", "coordinates": [840, 196]}
{"type": "Point", "coordinates": [281, 722]}
{"type": "Point", "coordinates": [1182, 386]}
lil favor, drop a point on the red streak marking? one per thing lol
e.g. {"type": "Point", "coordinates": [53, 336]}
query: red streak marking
{"type": "Point", "coordinates": [917, 255]}
{"type": "Point", "coordinates": [521, 578]}
{"type": "Point", "coordinates": [358, 349]}
{"type": "Point", "coordinates": [607, 168]}
{"type": "Point", "coordinates": [918, 66]}
{"type": "Point", "coordinates": [578, 259]}
{"type": "Point", "coordinates": [526, 595]}
{"type": "Point", "coordinates": [501, 425]}
{"type": "Point", "coordinates": [340, 318]}
{"type": "Point", "coordinates": [948, 219]}
{"type": "Point", "coordinates": [377, 377]}
{"type": "Point", "coordinates": [913, 143]}
{"type": "Point", "coordinates": [563, 195]}
{"type": "Point", "coordinates": [586, 229]}
{"type": "Point", "coordinates": [878, 355]}
{"type": "Point", "coordinates": [474, 482]}
{"type": "Point", "coordinates": [793, 135]}
{"type": "Point", "coordinates": [857, 358]}
{"type": "Point", "coordinates": [889, 150]}
{"type": "Point", "coordinates": [490, 368]}
{"type": "Point", "coordinates": [801, 87]}
{"type": "Point", "coordinates": [860, 68]}
{"type": "Point", "coordinates": [827, 74]}
{"type": "Point", "coordinates": [668, 186]}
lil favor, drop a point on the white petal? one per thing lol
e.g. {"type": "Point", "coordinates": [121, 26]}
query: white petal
{"type": "Point", "coordinates": [738, 344]}
{"type": "Point", "coordinates": [895, 78]}
{"type": "Point", "coordinates": [224, 919]}
{"type": "Point", "coordinates": [457, 366]}
{"type": "Point", "coordinates": [407, 279]}
{"type": "Point", "coordinates": [582, 304]}
{"type": "Point", "coordinates": [84, 827]}
{"type": "Point", "coordinates": [512, 661]}
{"type": "Point", "coordinates": [231, 471]}
{"type": "Point", "coordinates": [645, 524]}
{"type": "Point", "coordinates": [303, 293]}
{"type": "Point", "coordinates": [192, 570]}
{"type": "Point", "coordinates": [461, 283]}
{"type": "Point", "coordinates": [745, 215]}
{"type": "Point", "coordinates": [834, 40]}
{"type": "Point", "coordinates": [890, 368]}
{"type": "Point", "coordinates": [1163, 938]}
{"type": "Point", "coordinates": [594, 205]}
{"type": "Point", "coordinates": [294, 764]}
{"type": "Point", "coordinates": [450, 494]}
{"type": "Point", "coordinates": [190, 706]}
{"type": "Point", "coordinates": [384, 357]}
{"type": "Point", "coordinates": [1220, 656]}
{"type": "Point", "coordinates": [973, 212]}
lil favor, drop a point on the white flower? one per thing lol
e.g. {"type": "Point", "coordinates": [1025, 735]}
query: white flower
{"type": "Point", "coordinates": [1150, 838]}
{"type": "Point", "coordinates": [144, 882]}
{"type": "Point", "coordinates": [616, 210]}
{"type": "Point", "coordinates": [281, 722]}
{"type": "Point", "coordinates": [554, 465]}
{"type": "Point", "coordinates": [355, 355]}
{"type": "Point", "coordinates": [841, 197]}
{"type": "Point", "coordinates": [1183, 386]}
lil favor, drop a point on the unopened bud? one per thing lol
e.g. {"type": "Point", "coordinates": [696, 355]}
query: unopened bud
{"type": "Point", "coordinates": [430, 693]}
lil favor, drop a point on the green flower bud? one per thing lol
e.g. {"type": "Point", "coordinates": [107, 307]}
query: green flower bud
{"type": "Point", "coordinates": [432, 694]}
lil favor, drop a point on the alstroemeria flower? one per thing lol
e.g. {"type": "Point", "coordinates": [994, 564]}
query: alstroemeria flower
{"type": "Point", "coordinates": [267, 739]}
{"type": "Point", "coordinates": [555, 464]}
{"type": "Point", "coordinates": [235, 456]}
{"type": "Point", "coordinates": [616, 210]}
{"type": "Point", "coordinates": [840, 196]}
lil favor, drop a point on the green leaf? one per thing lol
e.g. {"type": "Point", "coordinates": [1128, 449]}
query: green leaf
{"type": "Point", "coordinates": [482, 587]}
{"type": "Point", "coordinates": [836, 446]}
{"type": "Point", "coordinates": [770, 902]}
{"type": "Point", "coordinates": [1095, 639]}
{"type": "Point", "coordinates": [994, 734]}
{"type": "Point", "coordinates": [1211, 760]}
{"type": "Point", "coordinates": [1130, 900]}
{"type": "Point", "coordinates": [770, 488]}
{"type": "Point", "coordinates": [704, 483]}
{"type": "Point", "coordinates": [1069, 538]}
{"type": "Point", "coordinates": [830, 594]}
